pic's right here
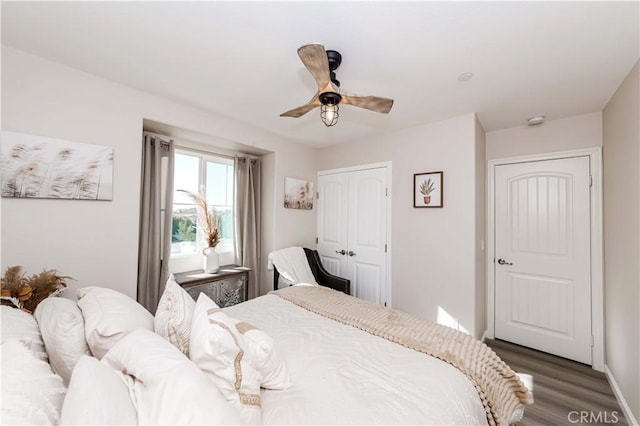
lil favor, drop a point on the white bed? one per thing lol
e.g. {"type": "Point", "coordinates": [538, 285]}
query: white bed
{"type": "Point", "coordinates": [342, 375]}
{"type": "Point", "coordinates": [103, 359]}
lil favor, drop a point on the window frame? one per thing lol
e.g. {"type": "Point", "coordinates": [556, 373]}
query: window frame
{"type": "Point", "coordinates": [181, 262]}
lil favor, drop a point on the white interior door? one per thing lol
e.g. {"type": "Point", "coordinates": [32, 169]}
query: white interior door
{"type": "Point", "coordinates": [367, 234]}
{"type": "Point", "coordinates": [333, 205]}
{"type": "Point", "coordinates": [542, 256]}
{"type": "Point", "coordinates": [352, 229]}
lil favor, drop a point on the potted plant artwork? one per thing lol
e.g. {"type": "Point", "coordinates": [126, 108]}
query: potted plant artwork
{"type": "Point", "coordinates": [209, 223]}
{"type": "Point", "coordinates": [426, 188]}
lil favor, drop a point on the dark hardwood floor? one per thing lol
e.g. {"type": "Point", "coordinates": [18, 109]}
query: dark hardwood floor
{"type": "Point", "coordinates": [565, 392]}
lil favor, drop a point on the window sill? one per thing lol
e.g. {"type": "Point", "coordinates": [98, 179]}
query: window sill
{"type": "Point", "coordinates": [184, 262]}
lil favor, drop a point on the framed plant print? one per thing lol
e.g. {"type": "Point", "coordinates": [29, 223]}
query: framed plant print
{"type": "Point", "coordinates": [428, 189]}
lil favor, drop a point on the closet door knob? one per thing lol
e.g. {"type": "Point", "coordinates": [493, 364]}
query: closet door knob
{"type": "Point", "coordinates": [504, 262]}
{"type": "Point", "coordinates": [342, 252]}
{"type": "Point", "coordinates": [350, 253]}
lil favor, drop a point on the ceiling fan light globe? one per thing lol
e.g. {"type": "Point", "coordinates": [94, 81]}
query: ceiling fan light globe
{"type": "Point", "coordinates": [329, 114]}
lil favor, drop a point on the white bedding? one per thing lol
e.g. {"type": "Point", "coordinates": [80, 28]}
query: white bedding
{"type": "Point", "coordinates": [342, 375]}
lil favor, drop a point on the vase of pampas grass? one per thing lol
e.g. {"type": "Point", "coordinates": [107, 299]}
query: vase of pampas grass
{"type": "Point", "coordinates": [209, 222]}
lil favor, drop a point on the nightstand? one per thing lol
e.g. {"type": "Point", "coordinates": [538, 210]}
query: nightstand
{"type": "Point", "coordinates": [227, 287]}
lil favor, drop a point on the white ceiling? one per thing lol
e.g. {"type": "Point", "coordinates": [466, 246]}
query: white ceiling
{"type": "Point", "coordinates": [239, 58]}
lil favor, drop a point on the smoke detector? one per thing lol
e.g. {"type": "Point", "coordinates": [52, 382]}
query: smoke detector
{"type": "Point", "coordinates": [465, 76]}
{"type": "Point", "coordinates": [535, 120]}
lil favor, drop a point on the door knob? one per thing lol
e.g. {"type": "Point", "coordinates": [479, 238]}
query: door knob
{"type": "Point", "coordinates": [504, 262]}
{"type": "Point", "coordinates": [350, 253]}
{"type": "Point", "coordinates": [342, 252]}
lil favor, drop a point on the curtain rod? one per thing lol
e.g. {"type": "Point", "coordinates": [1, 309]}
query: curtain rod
{"type": "Point", "coordinates": [202, 151]}
{"type": "Point", "coordinates": [213, 152]}
{"type": "Point", "coordinates": [164, 141]}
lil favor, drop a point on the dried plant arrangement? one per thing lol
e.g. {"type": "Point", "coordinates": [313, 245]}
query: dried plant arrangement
{"type": "Point", "coordinates": [14, 289]}
{"type": "Point", "coordinates": [27, 292]}
{"type": "Point", "coordinates": [47, 283]}
{"type": "Point", "coordinates": [208, 218]}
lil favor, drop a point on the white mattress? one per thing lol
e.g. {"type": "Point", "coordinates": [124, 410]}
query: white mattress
{"type": "Point", "coordinates": [342, 375]}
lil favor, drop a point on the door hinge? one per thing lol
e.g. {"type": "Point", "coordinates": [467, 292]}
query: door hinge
{"type": "Point", "coordinates": [316, 240]}
{"type": "Point", "coordinates": [590, 181]}
{"type": "Point", "coordinates": [385, 304]}
{"type": "Point", "coordinates": [386, 192]}
{"type": "Point", "coordinates": [318, 195]}
{"type": "Point", "coordinates": [385, 248]}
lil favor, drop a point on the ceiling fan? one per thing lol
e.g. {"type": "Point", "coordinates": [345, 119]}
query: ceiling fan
{"type": "Point", "coordinates": [322, 65]}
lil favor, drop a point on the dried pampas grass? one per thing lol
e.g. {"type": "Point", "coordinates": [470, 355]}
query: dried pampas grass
{"type": "Point", "coordinates": [29, 291]}
{"type": "Point", "coordinates": [46, 283]}
{"type": "Point", "coordinates": [209, 219]}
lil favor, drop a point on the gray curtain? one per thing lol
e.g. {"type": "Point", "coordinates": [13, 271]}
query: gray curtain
{"type": "Point", "coordinates": [247, 219]}
{"type": "Point", "coordinates": [156, 209]}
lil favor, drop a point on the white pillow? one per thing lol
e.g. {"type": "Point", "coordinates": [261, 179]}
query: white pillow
{"type": "Point", "coordinates": [267, 359]}
{"type": "Point", "coordinates": [17, 324]}
{"type": "Point", "coordinates": [69, 293]}
{"type": "Point", "coordinates": [167, 387]}
{"type": "Point", "coordinates": [108, 316]}
{"type": "Point", "coordinates": [218, 349]}
{"type": "Point", "coordinates": [173, 316]}
{"type": "Point", "coordinates": [97, 395]}
{"type": "Point", "coordinates": [30, 393]}
{"type": "Point", "coordinates": [62, 328]}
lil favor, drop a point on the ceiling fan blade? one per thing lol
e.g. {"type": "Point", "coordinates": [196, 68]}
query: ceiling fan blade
{"type": "Point", "coordinates": [302, 110]}
{"type": "Point", "coordinates": [372, 103]}
{"type": "Point", "coordinates": [314, 57]}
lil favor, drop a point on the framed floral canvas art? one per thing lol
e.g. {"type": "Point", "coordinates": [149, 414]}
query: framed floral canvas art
{"type": "Point", "coordinates": [298, 194]}
{"type": "Point", "coordinates": [42, 167]}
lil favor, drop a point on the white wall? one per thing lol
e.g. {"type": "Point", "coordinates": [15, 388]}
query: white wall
{"type": "Point", "coordinates": [621, 154]}
{"type": "Point", "coordinates": [433, 250]}
{"type": "Point", "coordinates": [292, 227]}
{"type": "Point", "coordinates": [97, 242]}
{"type": "Point", "coordinates": [577, 132]}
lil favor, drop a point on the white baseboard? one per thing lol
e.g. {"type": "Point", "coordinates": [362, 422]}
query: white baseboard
{"type": "Point", "coordinates": [626, 410]}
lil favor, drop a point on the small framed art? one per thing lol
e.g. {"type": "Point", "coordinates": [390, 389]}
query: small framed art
{"type": "Point", "coordinates": [298, 194]}
{"type": "Point", "coordinates": [428, 189]}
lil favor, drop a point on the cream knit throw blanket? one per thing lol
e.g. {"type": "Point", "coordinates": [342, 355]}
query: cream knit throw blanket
{"type": "Point", "coordinates": [501, 391]}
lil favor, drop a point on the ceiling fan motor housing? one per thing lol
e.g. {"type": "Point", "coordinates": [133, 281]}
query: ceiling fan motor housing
{"type": "Point", "coordinates": [330, 98]}
{"type": "Point", "coordinates": [335, 59]}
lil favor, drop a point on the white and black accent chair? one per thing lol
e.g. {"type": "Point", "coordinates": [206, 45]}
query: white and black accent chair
{"type": "Point", "coordinates": [322, 276]}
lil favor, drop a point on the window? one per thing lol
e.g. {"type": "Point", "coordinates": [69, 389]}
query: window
{"type": "Point", "coordinates": [194, 171]}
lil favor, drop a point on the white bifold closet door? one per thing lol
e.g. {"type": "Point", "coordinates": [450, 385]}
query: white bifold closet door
{"type": "Point", "coordinates": [352, 229]}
